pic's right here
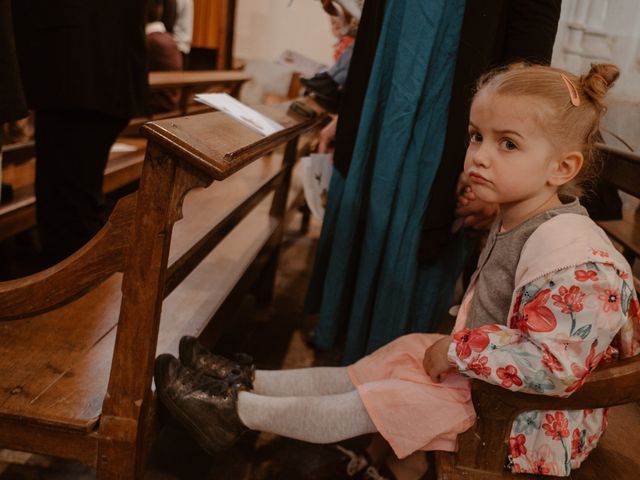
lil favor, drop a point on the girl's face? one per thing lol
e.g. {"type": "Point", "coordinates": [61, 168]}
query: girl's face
{"type": "Point", "coordinates": [510, 159]}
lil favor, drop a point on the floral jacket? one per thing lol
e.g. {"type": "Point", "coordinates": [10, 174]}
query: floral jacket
{"type": "Point", "coordinates": [573, 306]}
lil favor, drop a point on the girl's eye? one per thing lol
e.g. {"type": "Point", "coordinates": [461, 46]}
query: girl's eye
{"type": "Point", "coordinates": [509, 145]}
{"type": "Point", "coordinates": [475, 137]}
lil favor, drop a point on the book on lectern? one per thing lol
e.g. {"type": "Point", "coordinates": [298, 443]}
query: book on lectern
{"type": "Point", "coordinates": [241, 112]}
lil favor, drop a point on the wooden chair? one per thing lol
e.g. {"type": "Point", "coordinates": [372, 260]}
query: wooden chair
{"type": "Point", "coordinates": [483, 449]}
{"type": "Point", "coordinates": [79, 339]}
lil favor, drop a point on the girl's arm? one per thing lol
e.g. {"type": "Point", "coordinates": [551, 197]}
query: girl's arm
{"type": "Point", "coordinates": [559, 331]}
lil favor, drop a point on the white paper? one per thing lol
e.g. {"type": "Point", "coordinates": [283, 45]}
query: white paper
{"type": "Point", "coordinates": [304, 65]}
{"type": "Point", "coordinates": [119, 147]}
{"type": "Point", "coordinates": [238, 110]}
{"type": "Point", "coordinates": [315, 172]}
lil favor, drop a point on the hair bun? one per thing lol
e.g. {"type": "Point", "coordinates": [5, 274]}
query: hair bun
{"type": "Point", "coordinates": [598, 81]}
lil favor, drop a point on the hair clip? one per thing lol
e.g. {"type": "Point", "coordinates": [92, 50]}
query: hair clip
{"type": "Point", "coordinates": [573, 91]}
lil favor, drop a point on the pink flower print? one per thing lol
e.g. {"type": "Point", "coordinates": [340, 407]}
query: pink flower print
{"type": "Point", "coordinates": [569, 299]}
{"type": "Point", "coordinates": [557, 426]}
{"type": "Point", "coordinates": [537, 317]}
{"type": "Point", "coordinates": [605, 419]}
{"type": "Point", "coordinates": [592, 440]}
{"type": "Point", "coordinates": [577, 447]}
{"type": "Point", "coordinates": [516, 445]}
{"type": "Point", "coordinates": [610, 300]}
{"type": "Point", "coordinates": [599, 253]}
{"type": "Point", "coordinates": [585, 275]}
{"type": "Point", "coordinates": [509, 376]}
{"type": "Point", "coordinates": [581, 372]}
{"type": "Point", "coordinates": [550, 361]}
{"type": "Point", "coordinates": [540, 461]}
{"type": "Point", "coordinates": [540, 466]}
{"type": "Point", "coordinates": [479, 366]}
{"type": "Point", "coordinates": [476, 340]}
{"type": "Point", "coordinates": [622, 274]}
{"type": "Point", "coordinates": [634, 310]}
{"type": "Point", "coordinates": [566, 345]}
{"type": "Point", "coordinates": [515, 312]}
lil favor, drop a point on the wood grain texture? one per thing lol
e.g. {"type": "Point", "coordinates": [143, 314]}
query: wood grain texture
{"type": "Point", "coordinates": [234, 145]}
{"type": "Point", "coordinates": [196, 78]}
{"type": "Point", "coordinates": [74, 276]}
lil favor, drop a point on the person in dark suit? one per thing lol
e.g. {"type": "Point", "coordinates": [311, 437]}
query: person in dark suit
{"type": "Point", "coordinates": [84, 72]}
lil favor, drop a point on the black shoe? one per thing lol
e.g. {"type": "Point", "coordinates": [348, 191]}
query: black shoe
{"type": "Point", "coordinates": [196, 356]}
{"type": "Point", "coordinates": [204, 405]}
{"type": "Point", "coordinates": [323, 86]}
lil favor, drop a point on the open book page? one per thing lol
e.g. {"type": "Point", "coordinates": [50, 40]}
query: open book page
{"type": "Point", "coordinates": [238, 110]}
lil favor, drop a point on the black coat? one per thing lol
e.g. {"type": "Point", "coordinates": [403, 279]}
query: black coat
{"type": "Point", "coordinates": [12, 103]}
{"type": "Point", "coordinates": [83, 54]}
{"type": "Point", "coordinates": [494, 32]}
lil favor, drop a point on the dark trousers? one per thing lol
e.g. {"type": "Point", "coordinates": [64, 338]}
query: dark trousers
{"type": "Point", "coordinates": [72, 148]}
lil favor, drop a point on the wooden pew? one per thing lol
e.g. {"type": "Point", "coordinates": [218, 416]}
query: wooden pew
{"type": "Point", "coordinates": [190, 82]}
{"type": "Point", "coordinates": [123, 168]}
{"type": "Point", "coordinates": [482, 450]}
{"type": "Point", "coordinates": [621, 169]}
{"type": "Point", "coordinates": [79, 339]}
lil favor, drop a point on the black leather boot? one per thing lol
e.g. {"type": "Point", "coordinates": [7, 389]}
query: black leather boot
{"type": "Point", "coordinates": [205, 406]}
{"type": "Point", "coordinates": [240, 372]}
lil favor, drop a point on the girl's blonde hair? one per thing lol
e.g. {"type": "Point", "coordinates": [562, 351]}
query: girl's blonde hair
{"type": "Point", "coordinates": [570, 123]}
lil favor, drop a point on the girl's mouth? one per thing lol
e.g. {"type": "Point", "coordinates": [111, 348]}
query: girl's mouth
{"type": "Point", "coordinates": [477, 178]}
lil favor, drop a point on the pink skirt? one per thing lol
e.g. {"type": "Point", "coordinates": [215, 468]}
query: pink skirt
{"type": "Point", "coordinates": [409, 410]}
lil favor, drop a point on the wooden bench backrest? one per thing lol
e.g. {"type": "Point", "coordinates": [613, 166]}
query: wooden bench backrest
{"type": "Point", "coordinates": [182, 154]}
{"type": "Point", "coordinates": [621, 169]}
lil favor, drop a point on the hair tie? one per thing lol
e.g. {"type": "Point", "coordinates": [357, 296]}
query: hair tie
{"type": "Point", "coordinates": [573, 91]}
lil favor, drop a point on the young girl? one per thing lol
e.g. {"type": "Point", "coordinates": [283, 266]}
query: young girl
{"type": "Point", "coordinates": [551, 298]}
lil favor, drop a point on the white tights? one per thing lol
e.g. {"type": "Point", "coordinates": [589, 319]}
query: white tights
{"type": "Point", "coordinates": [318, 405]}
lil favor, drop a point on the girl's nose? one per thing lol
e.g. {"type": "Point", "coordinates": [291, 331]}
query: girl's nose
{"type": "Point", "coordinates": [481, 156]}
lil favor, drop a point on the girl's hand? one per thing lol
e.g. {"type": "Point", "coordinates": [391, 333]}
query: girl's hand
{"type": "Point", "coordinates": [327, 136]}
{"type": "Point", "coordinates": [472, 212]}
{"type": "Point", "coordinates": [435, 361]}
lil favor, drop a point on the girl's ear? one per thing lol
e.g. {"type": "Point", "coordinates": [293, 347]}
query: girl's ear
{"type": "Point", "coordinates": [565, 168]}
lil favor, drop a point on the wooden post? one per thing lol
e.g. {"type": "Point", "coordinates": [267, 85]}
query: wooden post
{"type": "Point", "coordinates": [127, 404]}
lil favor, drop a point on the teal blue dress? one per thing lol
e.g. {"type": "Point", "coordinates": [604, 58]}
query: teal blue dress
{"type": "Point", "coordinates": [366, 282]}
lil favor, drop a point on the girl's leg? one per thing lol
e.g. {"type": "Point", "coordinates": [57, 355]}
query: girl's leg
{"type": "Point", "coordinates": [301, 382]}
{"type": "Point", "coordinates": [316, 419]}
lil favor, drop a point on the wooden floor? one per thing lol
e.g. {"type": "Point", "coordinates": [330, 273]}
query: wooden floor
{"type": "Point", "coordinates": [276, 337]}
